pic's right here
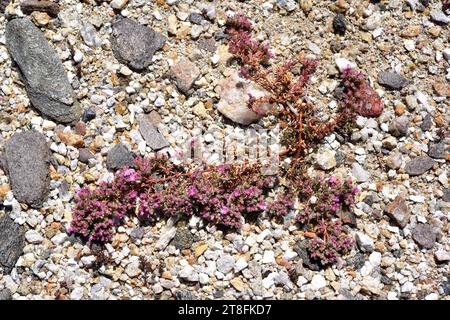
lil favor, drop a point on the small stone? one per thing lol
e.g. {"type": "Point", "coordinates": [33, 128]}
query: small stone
{"type": "Point", "coordinates": [318, 282]}
{"type": "Point", "coordinates": [343, 64]}
{"type": "Point", "coordinates": [240, 265]}
{"type": "Point", "coordinates": [48, 7]}
{"type": "Point", "coordinates": [89, 114]}
{"type": "Point", "coordinates": [118, 157]}
{"type": "Point", "coordinates": [237, 284]}
{"type": "Point", "coordinates": [375, 258]}
{"type": "Point", "coordinates": [196, 18]}
{"type": "Point", "coordinates": [165, 237]}
{"type": "Point", "coordinates": [268, 257]}
{"type": "Point", "coordinates": [412, 31]}
{"type": "Point", "coordinates": [26, 161]}
{"type": "Point", "coordinates": [394, 161]}
{"type": "Point", "coordinates": [33, 237]}
{"type": "Point", "coordinates": [438, 16]}
{"type": "Point", "coordinates": [84, 155]}
{"type": "Point", "coordinates": [442, 255]}
{"type": "Point", "coordinates": [427, 122]}
{"type": "Point", "coordinates": [77, 293]}
{"type": "Point", "coordinates": [200, 249]}
{"type": "Point", "coordinates": [424, 236]}
{"type": "Point", "coordinates": [419, 165]}
{"type": "Point", "coordinates": [442, 89]}
{"type": "Point", "coordinates": [325, 159]}
{"type": "Point", "coordinates": [438, 150]}
{"type": "Point", "coordinates": [398, 211]}
{"type": "Point", "coordinates": [134, 44]}
{"type": "Point", "coordinates": [399, 126]}
{"type": "Point", "coordinates": [339, 24]}
{"type": "Point", "coordinates": [359, 173]}
{"type": "Point", "coordinates": [12, 242]}
{"type": "Point", "coordinates": [183, 239]}
{"type": "Point", "coordinates": [5, 294]}
{"type": "Point", "coordinates": [392, 80]}
{"type": "Point", "coordinates": [234, 96]}
{"type": "Point", "coordinates": [225, 264]}
{"type": "Point", "coordinates": [364, 242]}
{"type": "Point", "coordinates": [118, 4]}
{"type": "Point", "coordinates": [151, 134]}
{"type": "Point", "coordinates": [184, 73]}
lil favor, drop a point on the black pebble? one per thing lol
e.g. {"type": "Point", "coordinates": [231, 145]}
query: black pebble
{"type": "Point", "coordinates": [89, 114]}
{"type": "Point", "coordinates": [339, 24]}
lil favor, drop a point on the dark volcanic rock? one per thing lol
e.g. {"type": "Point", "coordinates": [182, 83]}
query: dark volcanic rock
{"type": "Point", "coordinates": [50, 7]}
{"type": "Point", "coordinates": [339, 24]}
{"type": "Point", "coordinates": [118, 157]}
{"type": "Point", "coordinates": [419, 165]}
{"type": "Point", "coordinates": [12, 241]}
{"type": "Point", "coordinates": [424, 236]}
{"type": "Point", "coordinates": [427, 122]}
{"type": "Point", "coordinates": [27, 158]}
{"type": "Point", "coordinates": [392, 80]}
{"type": "Point", "coordinates": [43, 73]}
{"type": "Point", "coordinates": [183, 239]}
{"type": "Point", "coordinates": [150, 133]}
{"type": "Point", "coordinates": [134, 44]}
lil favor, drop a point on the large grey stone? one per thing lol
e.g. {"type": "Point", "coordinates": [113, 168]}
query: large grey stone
{"type": "Point", "coordinates": [424, 236]}
{"type": "Point", "coordinates": [26, 161]}
{"type": "Point", "coordinates": [12, 241]}
{"type": "Point", "coordinates": [392, 80]}
{"type": "Point", "coordinates": [44, 76]}
{"type": "Point", "coordinates": [419, 165]}
{"type": "Point", "coordinates": [134, 44]}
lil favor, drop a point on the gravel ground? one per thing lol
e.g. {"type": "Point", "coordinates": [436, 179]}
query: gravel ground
{"type": "Point", "coordinates": [135, 90]}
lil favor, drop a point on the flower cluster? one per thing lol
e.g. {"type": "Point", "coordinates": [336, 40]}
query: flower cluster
{"type": "Point", "coordinates": [155, 187]}
{"type": "Point", "coordinates": [251, 53]}
{"type": "Point", "coordinates": [323, 201]}
{"type": "Point", "coordinates": [358, 95]}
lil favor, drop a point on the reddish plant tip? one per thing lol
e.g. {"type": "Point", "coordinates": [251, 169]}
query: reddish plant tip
{"type": "Point", "coordinates": [359, 96]}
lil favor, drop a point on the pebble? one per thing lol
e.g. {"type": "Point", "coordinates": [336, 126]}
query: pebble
{"type": "Point", "coordinates": [419, 165]}
{"type": "Point", "coordinates": [318, 282]}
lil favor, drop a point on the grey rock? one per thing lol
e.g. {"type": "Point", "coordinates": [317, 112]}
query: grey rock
{"type": "Point", "coordinates": [134, 44]}
{"type": "Point", "coordinates": [5, 294]}
{"type": "Point", "coordinates": [27, 158]}
{"type": "Point", "coordinates": [427, 123]}
{"type": "Point", "coordinates": [398, 211]}
{"type": "Point", "coordinates": [419, 165]}
{"type": "Point", "coordinates": [364, 242]}
{"type": "Point", "coordinates": [183, 239]}
{"type": "Point", "coordinates": [442, 255]}
{"type": "Point", "coordinates": [196, 18]}
{"type": "Point", "coordinates": [184, 73]}
{"type": "Point", "coordinates": [137, 233]}
{"type": "Point", "coordinates": [438, 16]}
{"type": "Point", "coordinates": [399, 126]}
{"type": "Point", "coordinates": [438, 150]}
{"type": "Point", "coordinates": [44, 76]}
{"type": "Point", "coordinates": [359, 173]}
{"type": "Point", "coordinates": [12, 241]}
{"type": "Point", "coordinates": [84, 155]}
{"type": "Point", "coordinates": [118, 157]}
{"type": "Point", "coordinates": [424, 236]}
{"type": "Point", "coordinates": [185, 295]}
{"type": "Point", "coordinates": [446, 195]}
{"type": "Point", "coordinates": [151, 134]}
{"type": "Point", "coordinates": [225, 264]}
{"type": "Point", "coordinates": [392, 80]}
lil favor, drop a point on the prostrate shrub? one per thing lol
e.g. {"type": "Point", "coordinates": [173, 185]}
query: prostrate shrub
{"type": "Point", "coordinates": [156, 188]}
